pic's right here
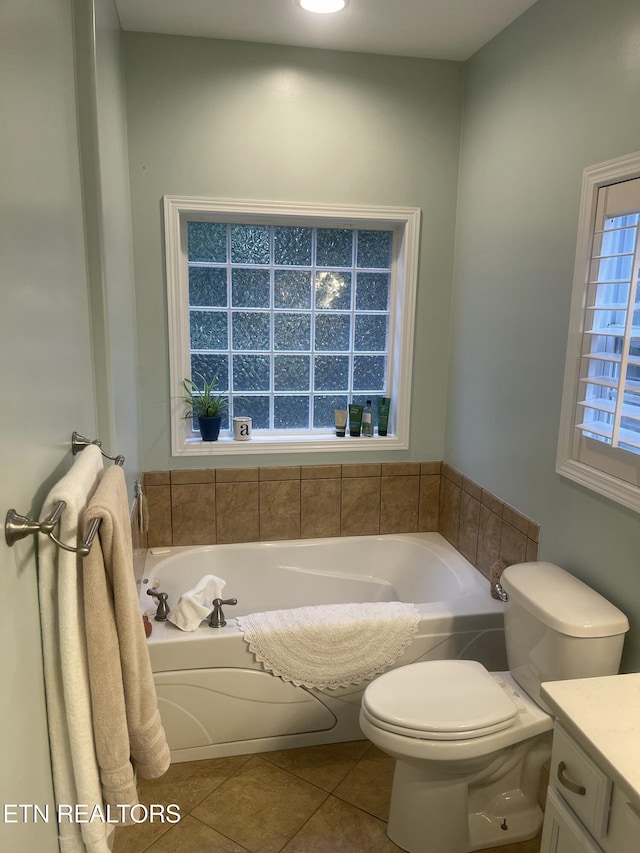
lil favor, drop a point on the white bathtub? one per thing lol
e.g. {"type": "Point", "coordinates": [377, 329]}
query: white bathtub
{"type": "Point", "coordinates": [216, 700]}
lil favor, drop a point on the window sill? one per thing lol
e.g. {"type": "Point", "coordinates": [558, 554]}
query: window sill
{"type": "Point", "coordinates": [226, 445]}
{"type": "Point", "coordinates": [604, 484]}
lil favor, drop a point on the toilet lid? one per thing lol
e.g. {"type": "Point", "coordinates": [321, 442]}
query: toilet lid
{"type": "Point", "coordinates": [443, 700]}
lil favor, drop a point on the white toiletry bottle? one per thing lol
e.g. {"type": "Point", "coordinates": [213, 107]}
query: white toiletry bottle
{"type": "Point", "coordinates": [367, 420]}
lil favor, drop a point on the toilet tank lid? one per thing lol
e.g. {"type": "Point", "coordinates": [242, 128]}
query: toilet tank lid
{"type": "Point", "coordinates": [561, 601]}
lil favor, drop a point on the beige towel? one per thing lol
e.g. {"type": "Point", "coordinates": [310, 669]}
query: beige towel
{"type": "Point", "coordinates": [128, 731]}
{"type": "Point", "coordinates": [76, 777]}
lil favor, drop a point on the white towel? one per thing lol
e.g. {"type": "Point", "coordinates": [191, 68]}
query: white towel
{"type": "Point", "coordinates": [76, 777]}
{"type": "Point", "coordinates": [196, 604]}
{"type": "Point", "coordinates": [332, 645]}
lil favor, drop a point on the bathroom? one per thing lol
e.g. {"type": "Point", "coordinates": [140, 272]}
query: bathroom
{"type": "Point", "coordinates": [512, 128]}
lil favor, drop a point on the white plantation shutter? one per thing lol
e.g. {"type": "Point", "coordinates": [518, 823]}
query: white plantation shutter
{"type": "Point", "coordinates": [609, 397]}
{"type": "Point", "coordinates": [599, 441]}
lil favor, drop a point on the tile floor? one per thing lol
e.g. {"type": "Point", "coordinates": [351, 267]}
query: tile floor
{"type": "Point", "coordinates": [323, 799]}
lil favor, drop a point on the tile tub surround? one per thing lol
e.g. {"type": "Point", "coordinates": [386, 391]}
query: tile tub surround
{"type": "Point", "coordinates": [322, 799]}
{"type": "Point", "coordinates": [207, 506]}
{"type": "Point", "coordinates": [481, 526]}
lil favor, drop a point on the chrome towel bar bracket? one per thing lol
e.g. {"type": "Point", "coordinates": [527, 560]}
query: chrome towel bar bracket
{"type": "Point", "coordinates": [18, 526]}
{"type": "Point", "coordinates": [79, 442]}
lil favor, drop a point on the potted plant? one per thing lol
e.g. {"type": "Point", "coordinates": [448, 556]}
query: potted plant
{"type": "Point", "coordinates": [204, 406]}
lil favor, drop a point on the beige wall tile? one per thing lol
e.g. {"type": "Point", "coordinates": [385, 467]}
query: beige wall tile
{"type": "Point", "coordinates": [469, 527]}
{"type": "Point", "coordinates": [431, 467]}
{"type": "Point", "coordinates": [399, 504]}
{"type": "Point", "coordinates": [237, 515]}
{"type": "Point", "coordinates": [515, 519]}
{"type": "Point", "coordinates": [428, 512]}
{"type": "Point", "coordinates": [237, 475]}
{"type": "Point", "coordinates": [282, 472]}
{"type": "Point", "coordinates": [279, 510]}
{"type": "Point", "coordinates": [452, 474]}
{"type": "Point", "coordinates": [159, 505]}
{"type": "Point", "coordinates": [371, 469]}
{"type": "Point", "coordinates": [471, 488]}
{"type": "Point", "coordinates": [319, 508]}
{"type": "Point", "coordinates": [396, 469]}
{"type": "Point", "coordinates": [449, 521]}
{"type": "Point", "coordinates": [193, 475]}
{"type": "Point", "coordinates": [157, 478]}
{"type": "Point", "coordinates": [488, 540]}
{"type": "Point", "coordinates": [193, 512]}
{"type": "Point", "coordinates": [350, 503]}
{"type": "Point", "coordinates": [513, 544]}
{"type": "Point", "coordinates": [321, 472]}
{"type": "Point", "coordinates": [531, 554]}
{"type": "Point", "coordinates": [492, 502]}
{"type": "Point", "coordinates": [360, 506]}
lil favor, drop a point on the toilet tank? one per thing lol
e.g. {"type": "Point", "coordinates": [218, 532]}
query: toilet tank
{"type": "Point", "coordinates": [557, 627]}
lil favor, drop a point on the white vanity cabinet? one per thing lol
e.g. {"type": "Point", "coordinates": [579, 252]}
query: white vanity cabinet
{"type": "Point", "coordinates": [593, 801]}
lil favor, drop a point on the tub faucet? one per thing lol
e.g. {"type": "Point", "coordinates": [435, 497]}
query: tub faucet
{"type": "Point", "coordinates": [163, 608]}
{"type": "Point", "coordinates": [217, 620]}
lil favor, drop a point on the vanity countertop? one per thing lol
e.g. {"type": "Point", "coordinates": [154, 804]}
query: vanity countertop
{"type": "Point", "coordinates": [603, 715]}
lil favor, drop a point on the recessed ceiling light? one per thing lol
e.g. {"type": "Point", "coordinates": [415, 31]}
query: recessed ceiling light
{"type": "Point", "coordinates": [322, 7]}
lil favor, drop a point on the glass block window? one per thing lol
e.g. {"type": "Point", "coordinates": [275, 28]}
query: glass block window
{"type": "Point", "coordinates": [291, 318]}
{"type": "Point", "coordinates": [298, 309]}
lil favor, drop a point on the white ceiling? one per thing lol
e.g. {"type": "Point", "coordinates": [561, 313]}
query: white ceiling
{"type": "Point", "coordinates": [436, 29]}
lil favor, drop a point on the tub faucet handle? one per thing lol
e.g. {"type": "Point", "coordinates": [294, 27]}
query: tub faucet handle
{"type": "Point", "coordinates": [217, 619]}
{"type": "Point", "coordinates": [163, 608]}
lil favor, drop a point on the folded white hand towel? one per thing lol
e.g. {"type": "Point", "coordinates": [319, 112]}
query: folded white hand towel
{"type": "Point", "coordinates": [196, 604]}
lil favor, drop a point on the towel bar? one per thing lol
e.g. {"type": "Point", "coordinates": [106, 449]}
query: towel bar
{"type": "Point", "coordinates": [18, 526]}
{"type": "Point", "coordinates": [79, 442]}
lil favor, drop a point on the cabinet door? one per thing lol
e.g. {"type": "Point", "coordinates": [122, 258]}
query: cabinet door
{"type": "Point", "coordinates": [581, 783]}
{"type": "Point", "coordinates": [562, 832]}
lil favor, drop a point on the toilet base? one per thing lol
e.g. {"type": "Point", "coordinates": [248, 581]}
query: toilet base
{"type": "Point", "coordinates": [499, 806]}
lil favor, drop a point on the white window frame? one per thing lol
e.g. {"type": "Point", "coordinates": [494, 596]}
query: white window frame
{"type": "Point", "coordinates": [609, 471]}
{"type": "Point", "coordinates": [405, 221]}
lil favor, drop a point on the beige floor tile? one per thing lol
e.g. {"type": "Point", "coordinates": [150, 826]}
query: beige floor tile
{"type": "Point", "coordinates": [338, 827]}
{"type": "Point", "coordinates": [135, 839]}
{"type": "Point", "coordinates": [190, 781]}
{"type": "Point", "coordinates": [324, 766]}
{"type": "Point", "coordinates": [260, 806]}
{"type": "Point", "coordinates": [531, 846]}
{"type": "Point", "coordinates": [185, 785]}
{"type": "Point", "coordinates": [368, 785]}
{"type": "Point", "coordinates": [191, 836]}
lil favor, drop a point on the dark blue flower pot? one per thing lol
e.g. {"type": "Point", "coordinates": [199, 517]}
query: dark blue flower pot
{"type": "Point", "coordinates": [209, 428]}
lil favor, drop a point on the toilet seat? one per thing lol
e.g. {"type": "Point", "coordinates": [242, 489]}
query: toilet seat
{"type": "Point", "coordinates": [439, 700]}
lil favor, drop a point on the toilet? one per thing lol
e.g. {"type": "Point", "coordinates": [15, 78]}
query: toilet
{"type": "Point", "coordinates": [469, 745]}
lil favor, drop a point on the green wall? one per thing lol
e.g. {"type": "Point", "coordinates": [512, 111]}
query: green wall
{"type": "Point", "coordinates": [65, 252]}
{"type": "Point", "coordinates": [46, 355]}
{"type": "Point", "coordinates": [238, 120]}
{"type": "Point", "coordinates": [555, 92]}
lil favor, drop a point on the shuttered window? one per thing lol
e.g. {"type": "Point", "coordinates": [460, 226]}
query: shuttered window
{"type": "Point", "coordinates": [600, 430]}
{"type": "Point", "coordinates": [609, 404]}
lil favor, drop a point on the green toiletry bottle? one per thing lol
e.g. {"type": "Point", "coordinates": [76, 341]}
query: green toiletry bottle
{"type": "Point", "coordinates": [367, 420]}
